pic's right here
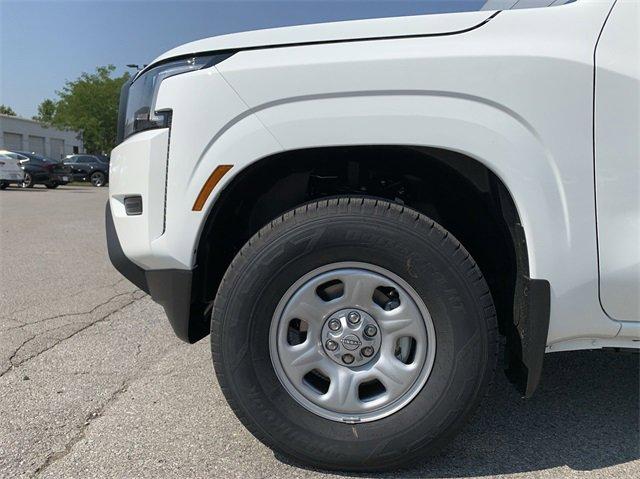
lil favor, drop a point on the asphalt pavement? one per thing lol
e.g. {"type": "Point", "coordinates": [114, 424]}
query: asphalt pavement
{"type": "Point", "coordinates": [93, 383]}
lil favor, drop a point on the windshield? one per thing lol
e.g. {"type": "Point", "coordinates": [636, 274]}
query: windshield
{"type": "Point", "coordinates": [15, 156]}
{"type": "Point", "coordinates": [35, 156]}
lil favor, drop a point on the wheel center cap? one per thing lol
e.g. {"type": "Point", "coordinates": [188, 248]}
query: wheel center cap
{"type": "Point", "coordinates": [351, 337]}
{"type": "Point", "coordinates": [351, 342]}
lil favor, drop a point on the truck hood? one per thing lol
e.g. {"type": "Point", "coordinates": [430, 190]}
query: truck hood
{"type": "Point", "coordinates": [433, 24]}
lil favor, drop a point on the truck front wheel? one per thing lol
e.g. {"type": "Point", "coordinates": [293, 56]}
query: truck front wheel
{"type": "Point", "coordinates": [355, 334]}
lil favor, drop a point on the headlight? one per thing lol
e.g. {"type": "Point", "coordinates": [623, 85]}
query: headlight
{"type": "Point", "coordinates": [138, 97]}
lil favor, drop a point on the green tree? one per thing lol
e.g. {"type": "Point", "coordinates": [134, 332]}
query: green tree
{"type": "Point", "coordinates": [7, 110]}
{"type": "Point", "coordinates": [46, 111]}
{"type": "Point", "coordinates": [90, 104]}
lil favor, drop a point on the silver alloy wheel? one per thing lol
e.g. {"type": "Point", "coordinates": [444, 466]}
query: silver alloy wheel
{"type": "Point", "coordinates": [327, 367]}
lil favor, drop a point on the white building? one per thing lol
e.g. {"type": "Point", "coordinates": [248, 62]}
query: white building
{"type": "Point", "coordinates": [22, 134]}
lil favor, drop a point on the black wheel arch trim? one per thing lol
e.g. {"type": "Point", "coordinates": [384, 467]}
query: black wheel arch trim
{"type": "Point", "coordinates": [171, 288]}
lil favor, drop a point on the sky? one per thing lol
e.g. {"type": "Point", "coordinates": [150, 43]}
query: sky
{"type": "Point", "coordinates": [45, 43]}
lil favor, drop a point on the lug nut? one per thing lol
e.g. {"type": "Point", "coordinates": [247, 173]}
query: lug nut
{"type": "Point", "coordinates": [334, 325]}
{"type": "Point", "coordinates": [331, 345]}
{"type": "Point", "coordinates": [370, 331]}
{"type": "Point", "coordinates": [347, 358]}
{"type": "Point", "coordinates": [353, 317]}
{"type": "Point", "coordinates": [367, 351]}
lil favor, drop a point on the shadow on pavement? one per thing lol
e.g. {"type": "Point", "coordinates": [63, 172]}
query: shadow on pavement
{"type": "Point", "coordinates": [39, 189]}
{"type": "Point", "coordinates": [80, 189]}
{"type": "Point", "coordinates": [18, 189]}
{"type": "Point", "coordinates": [584, 415]}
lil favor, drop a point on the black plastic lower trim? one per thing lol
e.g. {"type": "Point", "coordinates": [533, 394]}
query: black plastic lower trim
{"type": "Point", "coordinates": [133, 205]}
{"type": "Point", "coordinates": [525, 356]}
{"type": "Point", "coordinates": [124, 265]}
{"type": "Point", "coordinates": [170, 288]}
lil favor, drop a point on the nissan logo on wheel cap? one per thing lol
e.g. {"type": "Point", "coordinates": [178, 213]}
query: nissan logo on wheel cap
{"type": "Point", "coordinates": [351, 342]}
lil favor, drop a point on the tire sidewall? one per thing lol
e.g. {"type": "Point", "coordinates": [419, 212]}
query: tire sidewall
{"type": "Point", "coordinates": [28, 184]}
{"type": "Point", "coordinates": [100, 175]}
{"type": "Point", "coordinates": [268, 269]}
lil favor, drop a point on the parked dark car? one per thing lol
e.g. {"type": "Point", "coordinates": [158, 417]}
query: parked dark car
{"type": "Point", "coordinates": [39, 169]}
{"type": "Point", "coordinates": [91, 168]}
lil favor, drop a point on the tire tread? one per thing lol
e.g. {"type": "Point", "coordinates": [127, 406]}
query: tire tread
{"type": "Point", "coordinates": [385, 209]}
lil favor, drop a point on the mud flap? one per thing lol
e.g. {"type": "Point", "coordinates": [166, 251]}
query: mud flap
{"type": "Point", "coordinates": [527, 342]}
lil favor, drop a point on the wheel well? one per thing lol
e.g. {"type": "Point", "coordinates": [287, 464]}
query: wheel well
{"type": "Point", "coordinates": [455, 190]}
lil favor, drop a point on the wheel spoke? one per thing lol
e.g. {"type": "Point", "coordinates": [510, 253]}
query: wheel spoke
{"type": "Point", "coordinates": [301, 359]}
{"type": "Point", "coordinates": [394, 375]}
{"type": "Point", "coordinates": [405, 320]}
{"type": "Point", "coordinates": [343, 391]}
{"type": "Point", "coordinates": [309, 307]}
{"type": "Point", "coordinates": [358, 289]}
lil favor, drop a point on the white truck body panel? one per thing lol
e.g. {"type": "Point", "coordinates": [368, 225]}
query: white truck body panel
{"type": "Point", "coordinates": [617, 160]}
{"type": "Point", "coordinates": [492, 95]}
{"type": "Point", "coordinates": [336, 31]}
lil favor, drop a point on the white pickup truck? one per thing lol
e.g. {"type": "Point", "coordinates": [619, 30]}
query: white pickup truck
{"type": "Point", "coordinates": [360, 212]}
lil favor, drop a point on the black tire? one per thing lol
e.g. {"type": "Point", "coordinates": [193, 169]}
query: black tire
{"type": "Point", "coordinates": [3, 185]}
{"type": "Point", "coordinates": [28, 181]}
{"type": "Point", "coordinates": [394, 237]}
{"type": "Point", "coordinates": [51, 186]}
{"type": "Point", "coordinates": [98, 178]}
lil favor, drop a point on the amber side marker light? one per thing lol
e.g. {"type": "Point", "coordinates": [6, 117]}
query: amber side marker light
{"type": "Point", "coordinates": [209, 185]}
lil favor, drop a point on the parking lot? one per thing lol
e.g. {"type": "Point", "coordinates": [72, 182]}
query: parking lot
{"type": "Point", "coordinates": [93, 382]}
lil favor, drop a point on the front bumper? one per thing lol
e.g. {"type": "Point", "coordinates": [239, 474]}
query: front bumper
{"type": "Point", "coordinates": [170, 288]}
{"type": "Point", "coordinates": [61, 178]}
{"type": "Point", "coordinates": [11, 177]}
{"type": "Point", "coordinates": [139, 168]}
{"type": "Point", "coordinates": [166, 168]}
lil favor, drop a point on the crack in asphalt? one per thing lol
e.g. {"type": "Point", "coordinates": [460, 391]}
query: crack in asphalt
{"type": "Point", "coordinates": [66, 315]}
{"type": "Point", "coordinates": [11, 364]}
{"type": "Point", "coordinates": [54, 457]}
{"type": "Point", "coordinates": [77, 293]}
{"type": "Point", "coordinates": [82, 432]}
{"type": "Point", "coordinates": [10, 361]}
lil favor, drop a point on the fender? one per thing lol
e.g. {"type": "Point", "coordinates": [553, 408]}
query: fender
{"type": "Point", "coordinates": [499, 138]}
